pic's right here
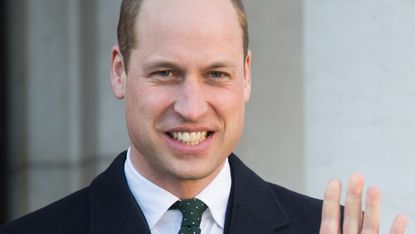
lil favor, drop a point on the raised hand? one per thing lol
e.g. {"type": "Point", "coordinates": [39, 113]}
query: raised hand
{"type": "Point", "coordinates": [354, 222]}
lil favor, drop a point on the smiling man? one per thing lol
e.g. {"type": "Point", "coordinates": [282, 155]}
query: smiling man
{"type": "Point", "coordinates": [185, 89]}
{"type": "Point", "coordinates": [183, 69]}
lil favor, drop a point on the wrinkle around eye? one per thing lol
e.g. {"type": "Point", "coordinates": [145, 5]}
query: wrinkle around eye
{"type": "Point", "coordinates": [163, 74]}
{"type": "Point", "coordinates": [164, 77]}
{"type": "Point", "coordinates": [218, 76]}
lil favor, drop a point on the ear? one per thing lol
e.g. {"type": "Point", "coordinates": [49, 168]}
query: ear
{"type": "Point", "coordinates": [247, 75]}
{"type": "Point", "coordinates": [118, 73]}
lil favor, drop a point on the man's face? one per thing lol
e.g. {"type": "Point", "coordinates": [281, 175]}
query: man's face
{"type": "Point", "coordinates": [185, 90]}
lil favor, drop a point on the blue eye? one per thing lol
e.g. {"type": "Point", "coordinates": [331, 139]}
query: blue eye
{"type": "Point", "coordinates": [165, 76]}
{"type": "Point", "coordinates": [216, 74]}
{"type": "Point", "coordinates": [165, 73]}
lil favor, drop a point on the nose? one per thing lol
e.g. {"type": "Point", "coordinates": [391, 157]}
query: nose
{"type": "Point", "coordinates": [191, 103]}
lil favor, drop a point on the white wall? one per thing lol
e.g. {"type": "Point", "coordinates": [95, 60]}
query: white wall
{"type": "Point", "coordinates": [360, 98]}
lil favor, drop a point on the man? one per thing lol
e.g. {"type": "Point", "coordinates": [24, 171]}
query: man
{"type": "Point", "coordinates": [183, 68]}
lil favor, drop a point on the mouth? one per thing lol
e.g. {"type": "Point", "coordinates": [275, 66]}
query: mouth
{"type": "Point", "coordinates": [190, 138]}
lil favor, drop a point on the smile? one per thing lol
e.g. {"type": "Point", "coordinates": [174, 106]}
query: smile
{"type": "Point", "coordinates": [189, 138]}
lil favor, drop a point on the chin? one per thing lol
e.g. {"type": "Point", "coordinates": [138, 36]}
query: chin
{"type": "Point", "coordinates": [198, 172]}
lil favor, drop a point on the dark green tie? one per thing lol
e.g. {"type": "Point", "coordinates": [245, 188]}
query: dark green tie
{"type": "Point", "coordinates": [192, 211]}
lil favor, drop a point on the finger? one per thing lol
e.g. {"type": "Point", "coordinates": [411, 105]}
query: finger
{"type": "Point", "coordinates": [372, 216]}
{"type": "Point", "coordinates": [352, 223]}
{"type": "Point", "coordinates": [330, 219]}
{"type": "Point", "coordinates": [399, 224]}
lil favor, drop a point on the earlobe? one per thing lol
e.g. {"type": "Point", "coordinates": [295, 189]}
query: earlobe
{"type": "Point", "coordinates": [118, 74]}
{"type": "Point", "coordinates": [247, 75]}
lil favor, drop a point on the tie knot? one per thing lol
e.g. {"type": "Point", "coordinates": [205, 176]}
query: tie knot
{"type": "Point", "coordinates": [192, 211]}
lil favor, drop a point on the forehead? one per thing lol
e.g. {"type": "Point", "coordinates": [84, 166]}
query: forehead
{"type": "Point", "coordinates": [187, 21]}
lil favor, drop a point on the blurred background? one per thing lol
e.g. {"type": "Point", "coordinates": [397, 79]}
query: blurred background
{"type": "Point", "coordinates": [333, 93]}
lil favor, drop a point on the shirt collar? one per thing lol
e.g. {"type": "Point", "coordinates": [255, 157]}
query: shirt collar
{"type": "Point", "coordinates": [216, 194]}
{"type": "Point", "coordinates": [154, 201]}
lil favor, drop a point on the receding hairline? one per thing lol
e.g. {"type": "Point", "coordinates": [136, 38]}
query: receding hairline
{"type": "Point", "coordinates": [129, 16]}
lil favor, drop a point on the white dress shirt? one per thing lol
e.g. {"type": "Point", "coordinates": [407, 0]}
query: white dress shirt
{"type": "Point", "coordinates": [155, 201]}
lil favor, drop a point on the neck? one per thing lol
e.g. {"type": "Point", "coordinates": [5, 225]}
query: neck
{"type": "Point", "coordinates": [185, 190]}
{"type": "Point", "coordinates": [181, 187]}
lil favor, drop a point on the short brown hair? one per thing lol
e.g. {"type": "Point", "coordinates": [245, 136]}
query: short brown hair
{"type": "Point", "coordinates": [129, 13]}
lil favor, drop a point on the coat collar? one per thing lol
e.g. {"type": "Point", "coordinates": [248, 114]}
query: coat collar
{"type": "Point", "coordinates": [113, 207]}
{"type": "Point", "coordinates": [253, 207]}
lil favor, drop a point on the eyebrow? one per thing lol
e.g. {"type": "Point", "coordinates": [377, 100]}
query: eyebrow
{"type": "Point", "coordinates": [221, 65]}
{"type": "Point", "coordinates": [157, 64]}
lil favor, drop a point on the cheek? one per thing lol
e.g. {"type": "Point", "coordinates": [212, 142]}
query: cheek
{"type": "Point", "coordinates": [230, 106]}
{"type": "Point", "coordinates": [148, 102]}
{"type": "Point", "coordinates": [232, 110]}
{"type": "Point", "coordinates": [143, 110]}
{"type": "Point", "coordinates": [230, 99]}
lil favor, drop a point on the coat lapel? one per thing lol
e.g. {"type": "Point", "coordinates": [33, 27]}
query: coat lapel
{"type": "Point", "coordinates": [113, 207]}
{"type": "Point", "coordinates": [252, 207]}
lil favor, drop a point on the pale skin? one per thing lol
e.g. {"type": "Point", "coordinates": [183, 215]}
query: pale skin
{"type": "Point", "coordinates": [187, 78]}
{"type": "Point", "coordinates": [353, 217]}
{"type": "Point", "coordinates": [183, 78]}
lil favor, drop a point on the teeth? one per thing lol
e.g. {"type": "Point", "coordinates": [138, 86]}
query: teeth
{"type": "Point", "coordinates": [186, 137]}
{"type": "Point", "coordinates": [189, 138]}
